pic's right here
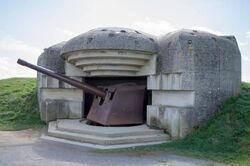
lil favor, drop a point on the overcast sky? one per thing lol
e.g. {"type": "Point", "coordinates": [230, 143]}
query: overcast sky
{"type": "Point", "coordinates": [28, 26]}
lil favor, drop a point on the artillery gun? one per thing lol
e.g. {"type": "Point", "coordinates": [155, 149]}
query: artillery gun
{"type": "Point", "coordinates": [120, 104]}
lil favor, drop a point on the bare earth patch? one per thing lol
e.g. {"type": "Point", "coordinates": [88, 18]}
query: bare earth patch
{"type": "Point", "coordinates": [17, 137]}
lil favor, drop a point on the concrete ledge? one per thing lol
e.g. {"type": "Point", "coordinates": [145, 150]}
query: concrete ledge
{"type": "Point", "coordinates": [47, 81]}
{"type": "Point", "coordinates": [73, 57]}
{"type": "Point", "coordinates": [66, 85]}
{"type": "Point", "coordinates": [71, 70]}
{"type": "Point", "coordinates": [120, 138]}
{"type": "Point", "coordinates": [60, 109]}
{"type": "Point", "coordinates": [171, 81]}
{"type": "Point", "coordinates": [149, 68]}
{"type": "Point", "coordinates": [176, 98]}
{"type": "Point", "coordinates": [62, 94]}
{"type": "Point", "coordinates": [95, 146]}
{"type": "Point", "coordinates": [76, 126]}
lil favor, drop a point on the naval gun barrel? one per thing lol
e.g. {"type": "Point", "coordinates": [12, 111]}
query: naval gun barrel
{"type": "Point", "coordinates": [87, 88]}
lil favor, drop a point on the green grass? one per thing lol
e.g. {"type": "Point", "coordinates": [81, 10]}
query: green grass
{"type": "Point", "coordinates": [225, 137]}
{"type": "Point", "coordinates": [18, 104]}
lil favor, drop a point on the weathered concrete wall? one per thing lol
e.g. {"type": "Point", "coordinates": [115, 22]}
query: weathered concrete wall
{"type": "Point", "coordinates": [49, 59]}
{"type": "Point", "coordinates": [56, 99]}
{"type": "Point", "coordinates": [208, 65]}
{"type": "Point", "coordinates": [60, 102]}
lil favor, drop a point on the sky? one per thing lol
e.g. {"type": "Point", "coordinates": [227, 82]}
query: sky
{"type": "Point", "coordinates": [28, 26]}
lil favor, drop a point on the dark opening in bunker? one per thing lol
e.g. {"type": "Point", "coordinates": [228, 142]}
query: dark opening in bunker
{"type": "Point", "coordinates": [108, 81]}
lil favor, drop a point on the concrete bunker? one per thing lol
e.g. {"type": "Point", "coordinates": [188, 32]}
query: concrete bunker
{"type": "Point", "coordinates": [187, 74]}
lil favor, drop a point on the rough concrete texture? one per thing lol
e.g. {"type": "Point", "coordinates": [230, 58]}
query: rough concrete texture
{"type": "Point", "coordinates": [177, 121]}
{"type": "Point", "coordinates": [49, 59]}
{"type": "Point", "coordinates": [112, 38]}
{"type": "Point", "coordinates": [71, 70]}
{"type": "Point", "coordinates": [171, 81]}
{"type": "Point", "coordinates": [81, 126]}
{"type": "Point", "coordinates": [70, 94]}
{"type": "Point", "coordinates": [61, 109]}
{"type": "Point", "coordinates": [180, 98]}
{"type": "Point", "coordinates": [209, 65]}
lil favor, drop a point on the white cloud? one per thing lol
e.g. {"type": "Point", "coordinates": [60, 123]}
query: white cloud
{"type": "Point", "coordinates": [242, 44]}
{"type": "Point", "coordinates": [69, 32]}
{"type": "Point", "coordinates": [206, 29]}
{"type": "Point", "coordinates": [245, 44]}
{"type": "Point", "coordinates": [157, 27]}
{"type": "Point", "coordinates": [66, 32]}
{"type": "Point", "coordinates": [4, 64]}
{"type": "Point", "coordinates": [160, 27]}
{"type": "Point", "coordinates": [248, 34]}
{"type": "Point", "coordinates": [11, 44]}
{"type": "Point", "coordinates": [9, 68]}
{"type": "Point", "coordinates": [10, 50]}
{"type": "Point", "coordinates": [245, 54]}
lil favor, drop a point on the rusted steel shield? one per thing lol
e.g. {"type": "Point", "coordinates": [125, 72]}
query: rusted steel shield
{"type": "Point", "coordinates": [123, 105]}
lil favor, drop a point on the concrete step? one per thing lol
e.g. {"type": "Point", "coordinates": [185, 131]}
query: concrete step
{"type": "Point", "coordinates": [78, 126]}
{"type": "Point", "coordinates": [96, 146]}
{"type": "Point", "coordinates": [108, 139]}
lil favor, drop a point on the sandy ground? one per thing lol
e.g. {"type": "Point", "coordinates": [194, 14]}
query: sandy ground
{"type": "Point", "coordinates": [25, 148]}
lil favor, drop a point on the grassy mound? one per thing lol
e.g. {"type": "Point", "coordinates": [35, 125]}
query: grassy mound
{"type": "Point", "coordinates": [18, 104]}
{"type": "Point", "coordinates": [225, 136]}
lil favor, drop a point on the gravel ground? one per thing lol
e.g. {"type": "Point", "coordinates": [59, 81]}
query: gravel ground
{"type": "Point", "coordinates": [25, 148]}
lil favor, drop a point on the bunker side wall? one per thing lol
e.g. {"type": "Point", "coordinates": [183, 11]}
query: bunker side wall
{"type": "Point", "coordinates": [209, 71]}
{"type": "Point", "coordinates": [57, 99]}
{"type": "Point", "coordinates": [173, 94]}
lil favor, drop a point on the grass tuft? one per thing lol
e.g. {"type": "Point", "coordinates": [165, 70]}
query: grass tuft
{"type": "Point", "coordinates": [18, 104]}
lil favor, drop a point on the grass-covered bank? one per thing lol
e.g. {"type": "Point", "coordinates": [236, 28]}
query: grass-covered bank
{"type": "Point", "coordinates": [18, 104]}
{"type": "Point", "coordinates": [225, 137]}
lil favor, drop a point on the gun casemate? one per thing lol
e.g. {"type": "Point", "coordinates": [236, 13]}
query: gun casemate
{"type": "Point", "coordinates": [120, 104]}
